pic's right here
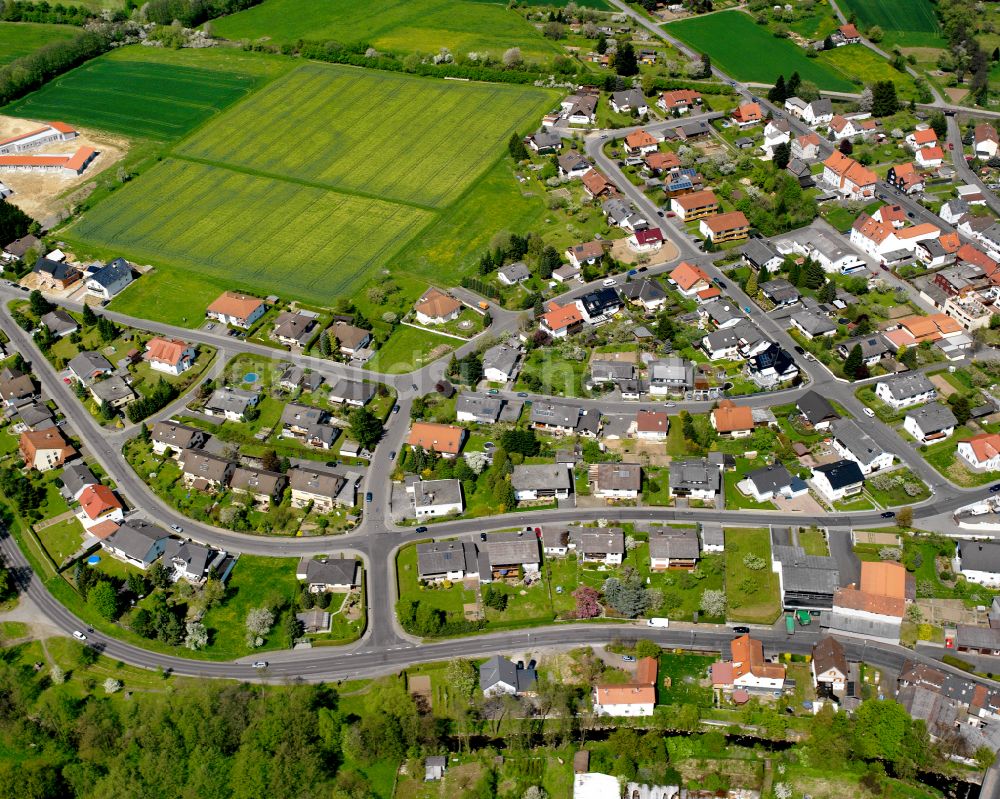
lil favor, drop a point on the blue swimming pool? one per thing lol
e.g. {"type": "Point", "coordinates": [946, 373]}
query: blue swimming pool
{"type": "Point", "coordinates": [93, 560]}
{"type": "Point", "coordinates": [250, 377]}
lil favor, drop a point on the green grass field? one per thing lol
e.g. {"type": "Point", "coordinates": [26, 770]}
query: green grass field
{"type": "Point", "coordinates": [136, 98]}
{"type": "Point", "coordinates": [20, 38]}
{"type": "Point", "coordinates": [391, 136]}
{"type": "Point", "coordinates": [751, 595]}
{"type": "Point", "coordinates": [859, 64]}
{"type": "Point", "coordinates": [911, 23]}
{"type": "Point", "coordinates": [275, 235]}
{"type": "Point", "coordinates": [728, 37]}
{"type": "Point", "coordinates": [395, 25]}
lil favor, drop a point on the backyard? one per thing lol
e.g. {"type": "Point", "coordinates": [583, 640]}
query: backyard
{"type": "Point", "coordinates": [752, 593]}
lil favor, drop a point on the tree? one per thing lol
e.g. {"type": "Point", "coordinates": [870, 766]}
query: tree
{"type": "Point", "coordinates": [588, 605]}
{"type": "Point", "coordinates": [984, 756]}
{"type": "Point", "coordinates": [39, 305]}
{"type": "Point", "coordinates": [778, 93]}
{"type": "Point", "coordinates": [880, 728]}
{"type": "Point", "coordinates": [845, 146]}
{"type": "Point", "coordinates": [512, 57]}
{"type": "Point", "coordinates": [516, 148]}
{"type": "Point", "coordinates": [828, 293]}
{"type": "Point", "coordinates": [324, 344]}
{"type": "Point", "coordinates": [793, 84]}
{"type": "Point", "coordinates": [865, 103]}
{"type": "Point", "coordinates": [494, 598]}
{"type": "Point", "coordinates": [960, 406]}
{"type": "Point", "coordinates": [626, 63]}
{"type": "Point", "coordinates": [904, 516]}
{"type": "Point", "coordinates": [875, 33]}
{"type": "Point", "coordinates": [828, 42]}
{"type": "Point", "coordinates": [548, 262]}
{"type": "Point", "coordinates": [112, 686]}
{"type": "Point", "coordinates": [706, 65]}
{"type": "Point", "coordinates": [259, 621]}
{"type": "Point", "coordinates": [884, 100]}
{"type": "Point", "coordinates": [628, 596]}
{"type": "Point", "coordinates": [602, 44]}
{"type": "Point", "coordinates": [939, 125]}
{"type": "Point", "coordinates": [197, 635]}
{"type": "Point", "coordinates": [461, 676]}
{"type": "Point", "coordinates": [781, 155]}
{"type": "Point", "coordinates": [365, 427]}
{"type": "Point", "coordinates": [106, 329]}
{"type": "Point", "coordinates": [854, 362]}
{"type": "Point", "coordinates": [713, 603]}
{"type": "Point", "coordinates": [644, 648]}
{"type": "Point", "coordinates": [103, 598]}
{"type": "Point", "coordinates": [814, 276]}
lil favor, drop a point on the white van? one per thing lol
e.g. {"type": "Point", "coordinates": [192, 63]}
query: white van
{"type": "Point", "coordinates": [658, 622]}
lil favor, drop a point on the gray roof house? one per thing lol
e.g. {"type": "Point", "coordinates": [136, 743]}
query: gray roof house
{"type": "Point", "coordinates": [322, 488]}
{"type": "Point", "coordinates": [759, 253]}
{"type": "Point", "coordinates": [261, 484]}
{"type": "Point", "coordinates": [328, 574]}
{"type": "Point", "coordinates": [34, 416]}
{"type": "Point", "coordinates": [136, 542]}
{"type": "Point", "coordinates": [627, 100]}
{"type": "Point", "coordinates": [177, 437]}
{"type": "Point", "coordinates": [722, 313]}
{"type": "Point", "coordinates": [854, 443]}
{"type": "Point", "coordinates": [472, 406]}
{"type": "Point", "coordinates": [189, 560]}
{"type": "Point", "coordinates": [906, 389]}
{"type": "Point", "coordinates": [931, 422]}
{"type": "Point", "coordinates": [434, 767]}
{"type": "Point", "coordinates": [780, 291]}
{"type": "Point", "coordinates": [294, 329]}
{"type": "Point", "coordinates": [59, 322]}
{"type": "Point", "coordinates": [109, 280]}
{"type": "Point", "coordinates": [696, 478]}
{"type": "Point", "coordinates": [446, 560]}
{"type": "Point", "coordinates": [817, 410]}
{"type": "Point", "coordinates": [15, 386]}
{"type": "Point", "coordinates": [670, 547]}
{"type": "Point", "coordinates": [670, 374]}
{"type": "Point", "coordinates": [806, 581]}
{"type": "Point", "coordinates": [500, 363]}
{"type": "Point", "coordinates": [212, 470]}
{"type": "Point", "coordinates": [114, 390]}
{"type": "Point", "coordinates": [646, 292]}
{"type": "Point", "coordinates": [88, 366]}
{"type": "Point", "coordinates": [514, 273]}
{"type": "Point", "coordinates": [509, 551]}
{"type": "Point", "coordinates": [351, 392]}
{"type": "Point", "coordinates": [231, 403]}
{"type": "Point", "coordinates": [812, 325]}
{"type": "Point", "coordinates": [75, 478]}
{"type": "Point", "coordinates": [541, 481]}
{"type": "Point", "coordinates": [498, 675]}
{"type": "Point", "coordinates": [611, 371]}
{"type": "Point", "coordinates": [873, 348]}
{"type": "Point", "coordinates": [605, 544]}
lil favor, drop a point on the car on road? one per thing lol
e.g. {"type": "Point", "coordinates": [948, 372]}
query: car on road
{"type": "Point", "coordinates": [368, 497]}
{"type": "Point", "coordinates": [889, 514]}
{"type": "Point", "coordinates": [420, 529]}
{"type": "Point", "coordinates": [669, 404]}
{"type": "Point", "coordinates": [628, 658]}
{"type": "Point", "coordinates": [259, 664]}
{"type": "Point", "coordinates": [494, 391]}
{"type": "Point", "coordinates": [886, 268]}
{"type": "Point", "coordinates": [995, 488]}
{"type": "Point", "coordinates": [604, 135]}
{"type": "Point", "coordinates": [719, 283]}
{"type": "Point", "coordinates": [395, 408]}
{"type": "Point", "coordinates": [608, 281]}
{"type": "Point", "coordinates": [633, 272]}
{"type": "Point", "coordinates": [746, 308]}
{"type": "Point", "coordinates": [482, 536]}
{"type": "Point", "coordinates": [643, 269]}
{"type": "Point", "coordinates": [910, 214]}
{"type": "Point", "coordinates": [671, 214]}
{"type": "Point", "coordinates": [741, 630]}
{"type": "Point", "coordinates": [659, 213]}
{"type": "Point", "coordinates": [522, 393]}
{"type": "Point", "coordinates": [79, 636]}
{"type": "Point", "coordinates": [869, 413]}
{"type": "Point", "coordinates": [951, 145]}
{"type": "Point", "coordinates": [177, 528]}
{"type": "Point", "coordinates": [392, 455]}
{"type": "Point", "coordinates": [799, 349]}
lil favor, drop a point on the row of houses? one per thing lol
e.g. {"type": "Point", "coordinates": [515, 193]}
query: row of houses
{"type": "Point", "coordinates": [54, 273]}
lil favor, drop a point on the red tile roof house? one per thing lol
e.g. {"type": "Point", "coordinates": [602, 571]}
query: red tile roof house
{"type": "Point", "coordinates": [561, 321]}
{"type": "Point", "coordinates": [652, 425]}
{"type": "Point", "coordinates": [679, 101]}
{"type": "Point", "coordinates": [238, 310]}
{"type": "Point", "coordinates": [748, 114]}
{"type": "Point", "coordinates": [849, 33]}
{"type": "Point", "coordinates": [589, 253]}
{"type": "Point", "coordinates": [642, 142]}
{"type": "Point", "coordinates": [694, 205]}
{"type": "Point", "coordinates": [436, 308]}
{"type": "Point", "coordinates": [595, 184]}
{"type": "Point", "coordinates": [45, 449]}
{"type": "Point", "coordinates": [646, 240]}
{"type": "Point", "coordinates": [848, 177]}
{"type": "Point", "coordinates": [725, 227]}
{"type": "Point", "coordinates": [98, 504]}
{"type": "Point", "coordinates": [981, 453]}
{"type": "Point", "coordinates": [689, 279]}
{"type": "Point", "coordinates": [169, 356]}
{"type": "Point", "coordinates": [929, 157]}
{"type": "Point", "coordinates": [921, 138]}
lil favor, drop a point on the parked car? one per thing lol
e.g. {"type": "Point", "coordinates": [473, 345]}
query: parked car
{"type": "Point", "coordinates": [889, 514]}
{"type": "Point", "coordinates": [522, 393]}
{"type": "Point", "coordinates": [628, 658]}
{"type": "Point", "coordinates": [799, 349]}
{"type": "Point", "coordinates": [395, 408]}
{"type": "Point", "coordinates": [420, 529]}
{"type": "Point", "coordinates": [869, 413]}
{"type": "Point", "coordinates": [494, 391]}
{"type": "Point", "coordinates": [741, 630]}
{"type": "Point", "coordinates": [719, 283]}
{"type": "Point", "coordinates": [177, 528]}
{"type": "Point", "coordinates": [392, 455]}
{"type": "Point", "coordinates": [995, 488]}
{"type": "Point", "coordinates": [608, 281]}
{"type": "Point", "coordinates": [368, 497]}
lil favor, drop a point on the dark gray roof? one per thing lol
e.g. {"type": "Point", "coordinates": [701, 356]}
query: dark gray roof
{"type": "Point", "coordinates": [86, 363]}
{"type": "Point", "coordinates": [712, 535]}
{"type": "Point", "coordinates": [437, 492]}
{"type": "Point", "coordinates": [501, 357]}
{"type": "Point", "coordinates": [670, 542]}
{"type": "Point", "coordinates": [440, 557]}
{"type": "Point", "coordinates": [176, 435]}
{"type": "Point", "coordinates": [743, 332]}
{"type": "Point", "coordinates": [58, 321]}
{"type": "Point", "coordinates": [722, 311]}
{"type": "Point", "coordinates": [556, 414]}
{"type": "Point", "coordinates": [499, 669]}
{"type": "Point", "coordinates": [770, 478]}
{"type": "Point", "coordinates": [842, 473]}
{"type": "Point", "coordinates": [515, 272]}
{"type": "Point", "coordinates": [58, 270]}
{"type": "Point", "coordinates": [315, 481]}
{"type": "Point", "coordinates": [135, 538]}
{"type": "Point", "coordinates": [195, 557]}
{"type": "Point", "coordinates": [933, 417]}
{"type": "Point", "coordinates": [646, 290]}
{"type": "Point", "coordinates": [606, 541]}
{"type": "Point", "coordinates": [233, 400]}
{"type": "Point", "coordinates": [204, 464]}
{"type": "Point", "coordinates": [541, 476]}
{"type": "Point", "coordinates": [619, 476]}
{"type": "Point", "coordinates": [905, 386]}
{"type": "Point", "coordinates": [981, 556]}
{"type": "Point", "coordinates": [612, 370]}
{"type": "Point", "coordinates": [257, 481]}
{"type": "Point", "coordinates": [352, 390]}
{"type": "Point", "coordinates": [332, 571]}
{"type": "Point", "coordinates": [871, 346]}
{"type": "Point", "coordinates": [484, 407]}
{"type": "Point", "coordinates": [813, 323]}
{"type": "Point", "coordinates": [111, 273]}
{"type": "Point", "coordinates": [505, 549]}
{"type": "Point", "coordinates": [856, 440]}
{"type": "Point", "coordinates": [758, 252]}
{"type": "Point", "coordinates": [76, 477]}
{"type": "Point", "coordinates": [816, 408]}
{"type": "Point", "coordinates": [113, 389]}
{"type": "Point", "coordinates": [695, 475]}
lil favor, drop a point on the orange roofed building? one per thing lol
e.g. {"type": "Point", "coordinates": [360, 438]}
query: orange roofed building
{"type": "Point", "coordinates": [641, 141]}
{"type": "Point", "coordinates": [437, 308]}
{"type": "Point", "coordinates": [689, 279]}
{"type": "Point", "coordinates": [98, 504]}
{"type": "Point", "coordinates": [562, 320]}
{"type": "Point", "coordinates": [169, 355]}
{"type": "Point", "coordinates": [748, 114]}
{"type": "Point", "coordinates": [748, 669]}
{"type": "Point", "coordinates": [848, 177]}
{"type": "Point", "coordinates": [876, 608]}
{"type": "Point", "coordinates": [636, 698]}
{"type": "Point", "coordinates": [45, 449]}
{"type": "Point", "coordinates": [238, 310]}
{"type": "Point", "coordinates": [444, 439]}
{"type": "Point", "coordinates": [732, 419]}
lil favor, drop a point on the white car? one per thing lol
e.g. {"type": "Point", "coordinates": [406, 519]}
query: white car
{"type": "Point", "coordinates": [259, 664]}
{"type": "Point", "coordinates": [869, 413]}
{"type": "Point", "coordinates": [608, 281]}
{"type": "Point", "coordinates": [177, 528]}
{"type": "Point", "coordinates": [79, 636]}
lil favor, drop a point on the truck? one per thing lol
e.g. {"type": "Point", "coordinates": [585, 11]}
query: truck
{"type": "Point", "coordinates": [803, 617]}
{"type": "Point", "coordinates": [790, 624]}
{"type": "Point", "coordinates": [658, 621]}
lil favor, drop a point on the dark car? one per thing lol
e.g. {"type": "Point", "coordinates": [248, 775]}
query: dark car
{"type": "Point", "coordinates": [392, 455]}
{"type": "Point", "coordinates": [482, 536]}
{"type": "Point", "coordinates": [813, 612]}
{"type": "Point", "coordinates": [395, 408]}
{"type": "Point", "coordinates": [522, 393]}
{"type": "Point", "coordinates": [889, 514]}
{"type": "Point", "coordinates": [995, 488]}
{"type": "Point", "coordinates": [368, 497]}
{"type": "Point", "coordinates": [741, 630]}
{"type": "Point", "coordinates": [719, 283]}
{"type": "Point", "coordinates": [420, 529]}
{"type": "Point", "coordinates": [799, 350]}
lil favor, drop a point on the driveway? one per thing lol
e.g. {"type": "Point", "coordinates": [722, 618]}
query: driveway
{"type": "Point", "coordinates": [804, 504]}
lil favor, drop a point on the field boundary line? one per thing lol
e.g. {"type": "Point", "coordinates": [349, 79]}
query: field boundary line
{"type": "Point", "coordinates": [300, 182]}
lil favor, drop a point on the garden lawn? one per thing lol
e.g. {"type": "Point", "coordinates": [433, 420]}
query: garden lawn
{"type": "Point", "coordinates": [438, 135]}
{"type": "Point", "coordinates": [450, 600]}
{"type": "Point", "coordinates": [943, 457]}
{"type": "Point", "coordinates": [734, 497]}
{"type": "Point", "coordinates": [136, 98]}
{"type": "Point", "coordinates": [20, 38]}
{"type": "Point", "coordinates": [751, 595]}
{"type": "Point", "coordinates": [813, 542]}
{"type": "Point", "coordinates": [729, 36]}
{"type": "Point", "coordinates": [255, 581]}
{"type": "Point", "coordinates": [409, 348]}
{"type": "Point", "coordinates": [896, 495]}
{"type": "Point", "coordinates": [61, 540]}
{"type": "Point", "coordinates": [190, 295]}
{"type": "Point", "coordinates": [685, 672]}
{"type": "Point", "coordinates": [557, 376]}
{"type": "Point", "coordinates": [912, 23]}
{"type": "Point", "coordinates": [394, 25]}
{"type": "Point", "coordinates": [863, 67]}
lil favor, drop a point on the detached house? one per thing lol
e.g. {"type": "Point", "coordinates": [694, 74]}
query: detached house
{"type": "Point", "coordinates": [748, 669]}
{"type": "Point", "coordinates": [328, 574]}
{"type": "Point", "coordinates": [829, 665]}
{"type": "Point", "coordinates": [647, 292]}
{"type": "Point", "coordinates": [295, 329]}
{"type": "Point", "coordinates": [204, 471]}
{"type": "Point", "coordinates": [699, 479]}
{"type": "Point", "coordinates": [169, 356]}
{"type": "Point", "coordinates": [629, 100]}
{"type": "Point", "coordinates": [87, 367]}
{"type": "Point", "coordinates": [616, 480]}
{"type": "Point", "coordinates": [931, 423]}
{"type": "Point", "coordinates": [231, 403]}
{"type": "Point", "coordinates": [137, 543]}
{"type": "Point", "coordinates": [725, 227]}
{"type": "Point", "coordinates": [695, 205]}
{"type": "Point", "coordinates": [98, 504]}
{"type": "Point", "coordinates": [238, 310]}
{"type": "Point", "coordinates": [563, 419]}
{"type": "Point", "coordinates": [349, 338]}
{"type": "Point", "coordinates": [436, 308]}
{"type": "Point", "coordinates": [641, 142]}
{"type": "Point", "coordinates": [324, 490]}
{"type": "Point", "coordinates": [499, 676]}
{"type": "Point", "coordinates": [981, 453]}
{"type": "Point", "coordinates": [446, 560]}
{"type": "Point", "coordinates": [929, 157]}
{"type": "Point", "coordinates": [902, 391]}
{"type": "Point", "coordinates": [16, 388]}
{"type": "Point", "coordinates": [549, 481]}
{"type": "Point", "coordinates": [986, 143]}
{"type": "Point", "coordinates": [855, 444]}
{"type": "Point", "coordinates": [979, 562]}
{"type": "Point", "coordinates": [110, 280]}
{"type": "Point", "coordinates": [850, 179]}
{"type": "Point", "coordinates": [589, 253]}
{"type": "Point", "coordinates": [817, 410]}
{"type": "Point", "coordinates": [689, 279]}
{"type": "Point", "coordinates": [595, 184]}
{"type": "Point", "coordinates": [679, 101]}
{"type": "Point", "coordinates": [263, 486]}
{"type": "Point", "coordinates": [906, 178]}
{"type": "Point", "coordinates": [46, 449]}
{"type": "Point", "coordinates": [55, 275]}
{"type": "Point", "coordinates": [806, 147]}
{"type": "Point", "coordinates": [636, 698]}
{"type": "Point", "coordinates": [561, 321]}
{"type": "Point", "coordinates": [651, 425]}
{"type": "Point", "coordinates": [176, 437]}
{"type": "Point", "coordinates": [730, 419]}
{"type": "Point", "coordinates": [444, 439]}
{"type": "Point", "coordinates": [572, 165]}
{"type": "Point", "coordinates": [838, 480]}
{"type": "Point", "coordinates": [672, 548]}
{"type": "Point", "coordinates": [747, 114]}
{"type": "Point", "coordinates": [436, 497]}
{"type": "Point", "coordinates": [598, 545]}
{"type": "Point", "coordinates": [921, 138]}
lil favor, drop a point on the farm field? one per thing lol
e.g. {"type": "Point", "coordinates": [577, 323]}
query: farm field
{"type": "Point", "coordinates": [857, 63]}
{"type": "Point", "coordinates": [729, 35]}
{"type": "Point", "coordinates": [225, 223]}
{"type": "Point", "coordinates": [20, 38]}
{"type": "Point", "coordinates": [909, 24]}
{"type": "Point", "coordinates": [463, 26]}
{"type": "Point", "coordinates": [451, 132]}
{"type": "Point", "coordinates": [150, 99]}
